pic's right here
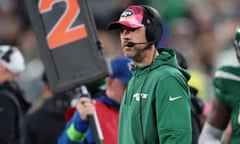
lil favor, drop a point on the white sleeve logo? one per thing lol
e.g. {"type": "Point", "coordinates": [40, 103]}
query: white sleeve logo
{"type": "Point", "coordinates": [174, 98]}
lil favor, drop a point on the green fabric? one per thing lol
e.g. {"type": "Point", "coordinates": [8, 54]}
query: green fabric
{"type": "Point", "coordinates": [226, 88]}
{"type": "Point", "coordinates": [74, 135]}
{"type": "Point", "coordinates": [168, 9]}
{"type": "Point", "coordinates": [162, 117]}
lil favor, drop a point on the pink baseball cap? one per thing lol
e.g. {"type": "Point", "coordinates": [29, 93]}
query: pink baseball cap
{"type": "Point", "coordinates": [131, 17]}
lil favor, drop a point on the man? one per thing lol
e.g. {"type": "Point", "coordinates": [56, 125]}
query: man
{"type": "Point", "coordinates": [78, 129]}
{"type": "Point", "coordinates": [52, 112]}
{"type": "Point", "coordinates": [156, 104]}
{"type": "Point", "coordinates": [225, 104]}
{"type": "Point", "coordinates": [13, 106]}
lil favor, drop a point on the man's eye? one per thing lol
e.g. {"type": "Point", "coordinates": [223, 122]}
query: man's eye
{"type": "Point", "coordinates": [121, 30]}
{"type": "Point", "coordinates": [127, 29]}
{"type": "Point", "coordinates": [132, 29]}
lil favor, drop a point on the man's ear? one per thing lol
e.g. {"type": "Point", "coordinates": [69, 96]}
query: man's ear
{"type": "Point", "coordinates": [108, 81]}
{"type": "Point", "coordinates": [6, 77]}
{"type": "Point", "coordinates": [47, 90]}
{"type": "Point", "coordinates": [46, 87]}
{"type": "Point", "coordinates": [5, 74]}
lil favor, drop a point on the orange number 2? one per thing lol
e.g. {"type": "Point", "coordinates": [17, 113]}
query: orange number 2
{"type": "Point", "coordinates": [62, 32]}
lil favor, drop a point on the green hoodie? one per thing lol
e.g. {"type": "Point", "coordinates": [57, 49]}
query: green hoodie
{"type": "Point", "coordinates": [162, 113]}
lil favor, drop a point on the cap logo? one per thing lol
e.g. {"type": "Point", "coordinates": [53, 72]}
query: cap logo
{"type": "Point", "coordinates": [131, 17]}
{"type": "Point", "coordinates": [127, 13]}
{"type": "Point", "coordinates": [6, 56]}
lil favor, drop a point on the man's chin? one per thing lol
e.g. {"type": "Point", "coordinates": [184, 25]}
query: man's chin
{"type": "Point", "coordinates": [129, 55]}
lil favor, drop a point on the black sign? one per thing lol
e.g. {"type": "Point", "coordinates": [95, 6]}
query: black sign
{"type": "Point", "coordinates": [68, 43]}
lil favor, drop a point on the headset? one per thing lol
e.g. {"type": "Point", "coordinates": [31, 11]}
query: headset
{"type": "Point", "coordinates": [152, 21]}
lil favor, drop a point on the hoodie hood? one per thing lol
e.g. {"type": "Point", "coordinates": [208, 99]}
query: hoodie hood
{"type": "Point", "coordinates": [168, 57]}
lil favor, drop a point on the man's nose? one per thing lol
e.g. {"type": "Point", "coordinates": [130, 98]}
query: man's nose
{"type": "Point", "coordinates": [125, 34]}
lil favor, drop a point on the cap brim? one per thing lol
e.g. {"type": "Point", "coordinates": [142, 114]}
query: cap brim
{"type": "Point", "coordinates": [118, 24]}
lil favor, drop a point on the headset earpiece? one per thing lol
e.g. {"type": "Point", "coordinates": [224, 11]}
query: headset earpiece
{"type": "Point", "coordinates": [153, 24]}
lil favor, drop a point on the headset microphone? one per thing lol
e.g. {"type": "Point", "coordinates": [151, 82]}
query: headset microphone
{"type": "Point", "coordinates": [132, 44]}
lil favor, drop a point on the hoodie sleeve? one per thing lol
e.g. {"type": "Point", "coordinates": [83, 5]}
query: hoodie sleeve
{"type": "Point", "coordinates": [173, 111]}
{"type": "Point", "coordinates": [75, 131]}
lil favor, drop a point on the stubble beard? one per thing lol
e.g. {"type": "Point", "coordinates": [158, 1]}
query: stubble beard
{"type": "Point", "coordinates": [136, 55]}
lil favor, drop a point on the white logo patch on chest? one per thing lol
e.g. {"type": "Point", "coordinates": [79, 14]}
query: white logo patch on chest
{"type": "Point", "coordinates": [138, 96]}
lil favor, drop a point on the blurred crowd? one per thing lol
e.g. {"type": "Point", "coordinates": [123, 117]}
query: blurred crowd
{"type": "Point", "coordinates": [202, 30]}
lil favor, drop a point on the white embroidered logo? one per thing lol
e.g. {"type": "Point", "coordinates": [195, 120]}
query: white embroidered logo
{"type": "Point", "coordinates": [137, 96]}
{"type": "Point", "coordinates": [174, 98]}
{"type": "Point", "coordinates": [127, 13]}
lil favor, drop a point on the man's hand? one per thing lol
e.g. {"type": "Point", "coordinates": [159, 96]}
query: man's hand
{"type": "Point", "coordinates": [85, 107]}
